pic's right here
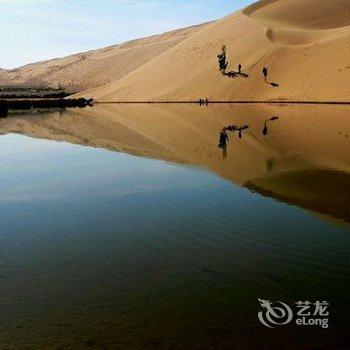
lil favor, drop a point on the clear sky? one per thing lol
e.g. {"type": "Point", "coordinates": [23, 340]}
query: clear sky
{"type": "Point", "coordinates": [34, 30]}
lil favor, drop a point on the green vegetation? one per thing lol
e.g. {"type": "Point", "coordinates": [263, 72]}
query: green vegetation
{"type": "Point", "coordinates": [27, 104]}
{"type": "Point", "coordinates": [222, 60]}
{"type": "Point", "coordinates": [32, 92]}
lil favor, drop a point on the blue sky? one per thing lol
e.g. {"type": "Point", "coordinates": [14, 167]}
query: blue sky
{"type": "Point", "coordinates": [34, 30]}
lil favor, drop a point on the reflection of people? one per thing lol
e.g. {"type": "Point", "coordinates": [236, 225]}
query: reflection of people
{"type": "Point", "coordinates": [265, 130]}
{"type": "Point", "coordinates": [223, 139]}
{"type": "Point", "coordinates": [232, 128]}
{"type": "Point", "coordinates": [240, 129]}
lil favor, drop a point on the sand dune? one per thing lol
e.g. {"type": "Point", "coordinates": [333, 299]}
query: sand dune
{"type": "Point", "coordinates": [95, 68]}
{"type": "Point", "coordinates": [290, 22]}
{"type": "Point", "coordinates": [305, 44]}
{"type": "Point", "coordinates": [310, 14]}
{"type": "Point", "coordinates": [305, 143]}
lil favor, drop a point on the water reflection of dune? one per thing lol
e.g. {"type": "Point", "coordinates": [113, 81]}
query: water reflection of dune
{"type": "Point", "coordinates": [323, 190]}
{"type": "Point", "coordinates": [305, 151]}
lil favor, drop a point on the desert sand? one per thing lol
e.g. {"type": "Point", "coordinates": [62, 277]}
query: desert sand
{"type": "Point", "coordinates": [304, 43]}
{"type": "Point", "coordinates": [302, 160]}
{"type": "Point", "coordinates": [94, 68]}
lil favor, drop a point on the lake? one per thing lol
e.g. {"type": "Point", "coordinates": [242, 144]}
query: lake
{"type": "Point", "coordinates": [126, 227]}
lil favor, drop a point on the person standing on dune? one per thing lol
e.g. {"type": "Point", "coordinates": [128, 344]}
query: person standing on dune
{"type": "Point", "coordinates": [265, 73]}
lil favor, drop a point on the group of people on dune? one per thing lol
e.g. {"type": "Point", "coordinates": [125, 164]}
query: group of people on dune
{"type": "Point", "coordinates": [223, 63]}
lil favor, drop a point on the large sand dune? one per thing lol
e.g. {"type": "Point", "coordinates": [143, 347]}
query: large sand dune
{"type": "Point", "coordinates": [290, 22]}
{"type": "Point", "coordinates": [310, 14]}
{"type": "Point", "coordinates": [304, 43]}
{"type": "Point", "coordinates": [95, 68]}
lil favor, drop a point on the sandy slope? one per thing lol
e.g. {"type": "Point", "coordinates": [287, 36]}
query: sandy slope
{"type": "Point", "coordinates": [304, 43]}
{"type": "Point", "coordinates": [95, 68]}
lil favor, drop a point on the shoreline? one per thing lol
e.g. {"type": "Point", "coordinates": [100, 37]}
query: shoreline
{"type": "Point", "coordinates": [229, 102]}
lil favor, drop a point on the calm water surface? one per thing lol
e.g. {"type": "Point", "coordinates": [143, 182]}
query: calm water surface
{"type": "Point", "coordinates": [105, 250]}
